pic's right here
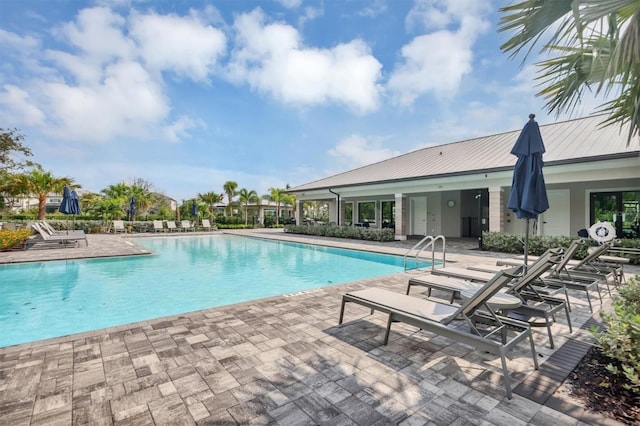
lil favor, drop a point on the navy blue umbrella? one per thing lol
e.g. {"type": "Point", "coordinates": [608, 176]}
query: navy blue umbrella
{"type": "Point", "coordinates": [66, 206]}
{"type": "Point", "coordinates": [75, 203]}
{"type": "Point", "coordinates": [132, 208]}
{"type": "Point", "coordinates": [528, 196]}
{"type": "Point", "coordinates": [194, 211]}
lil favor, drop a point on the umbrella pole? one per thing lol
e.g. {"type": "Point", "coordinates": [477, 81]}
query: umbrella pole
{"type": "Point", "coordinates": [526, 247]}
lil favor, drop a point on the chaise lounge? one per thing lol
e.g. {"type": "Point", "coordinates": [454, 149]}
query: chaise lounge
{"type": "Point", "coordinates": [438, 317]}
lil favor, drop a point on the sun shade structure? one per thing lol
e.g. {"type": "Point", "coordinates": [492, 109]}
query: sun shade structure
{"type": "Point", "coordinates": [528, 196]}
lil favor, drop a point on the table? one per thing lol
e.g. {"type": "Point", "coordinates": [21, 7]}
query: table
{"type": "Point", "coordinates": [498, 302]}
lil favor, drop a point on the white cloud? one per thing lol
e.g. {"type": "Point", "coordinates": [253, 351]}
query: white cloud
{"type": "Point", "coordinates": [435, 63]}
{"type": "Point", "coordinates": [374, 8]}
{"type": "Point", "coordinates": [127, 102]}
{"type": "Point", "coordinates": [179, 129]}
{"type": "Point", "coordinates": [190, 49]}
{"type": "Point", "coordinates": [272, 59]}
{"type": "Point", "coordinates": [12, 40]}
{"type": "Point", "coordinates": [18, 106]}
{"type": "Point", "coordinates": [97, 33]}
{"type": "Point", "coordinates": [356, 151]}
{"type": "Point", "coordinates": [290, 4]}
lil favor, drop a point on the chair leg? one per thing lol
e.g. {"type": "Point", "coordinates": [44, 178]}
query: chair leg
{"type": "Point", "coordinates": [589, 300]}
{"type": "Point", "coordinates": [388, 330]}
{"type": "Point", "coordinates": [341, 312]}
{"type": "Point", "coordinates": [566, 311]}
{"type": "Point", "coordinates": [505, 375]}
{"type": "Point", "coordinates": [548, 321]}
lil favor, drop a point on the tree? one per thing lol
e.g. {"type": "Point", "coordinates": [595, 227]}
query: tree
{"type": "Point", "coordinates": [122, 192]}
{"type": "Point", "coordinates": [211, 198]}
{"type": "Point", "coordinates": [39, 183]}
{"type": "Point", "coordinates": [230, 188]}
{"type": "Point", "coordinates": [593, 45]}
{"type": "Point", "coordinates": [245, 197]}
{"type": "Point", "coordinates": [276, 195]}
{"type": "Point", "coordinates": [10, 146]}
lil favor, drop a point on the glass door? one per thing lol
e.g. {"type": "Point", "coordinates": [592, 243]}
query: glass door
{"type": "Point", "coordinates": [620, 208]}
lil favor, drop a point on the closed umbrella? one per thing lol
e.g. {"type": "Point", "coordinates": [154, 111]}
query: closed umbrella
{"type": "Point", "coordinates": [528, 196]}
{"type": "Point", "coordinates": [66, 206]}
{"type": "Point", "coordinates": [132, 208]}
{"type": "Point", "coordinates": [75, 203]}
{"type": "Point", "coordinates": [194, 212]}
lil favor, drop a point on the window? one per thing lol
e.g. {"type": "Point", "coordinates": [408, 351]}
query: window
{"type": "Point", "coordinates": [367, 212]}
{"type": "Point", "coordinates": [388, 214]}
{"type": "Point", "coordinates": [620, 208]}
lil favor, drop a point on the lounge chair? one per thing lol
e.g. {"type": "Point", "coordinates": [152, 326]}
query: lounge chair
{"type": "Point", "coordinates": [45, 239]}
{"type": "Point", "coordinates": [186, 225]}
{"type": "Point", "coordinates": [206, 225]}
{"type": "Point", "coordinates": [158, 226]}
{"type": "Point", "coordinates": [437, 318]}
{"type": "Point", "coordinates": [52, 231]}
{"type": "Point", "coordinates": [596, 265]}
{"type": "Point", "coordinates": [171, 226]}
{"type": "Point", "coordinates": [538, 309]}
{"type": "Point", "coordinates": [555, 277]}
{"type": "Point", "coordinates": [118, 226]}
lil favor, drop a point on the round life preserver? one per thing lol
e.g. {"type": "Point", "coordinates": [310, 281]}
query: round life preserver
{"type": "Point", "coordinates": [602, 232]}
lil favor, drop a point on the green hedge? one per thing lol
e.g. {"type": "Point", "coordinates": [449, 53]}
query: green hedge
{"type": "Point", "coordinates": [538, 244]}
{"type": "Point", "coordinates": [356, 233]}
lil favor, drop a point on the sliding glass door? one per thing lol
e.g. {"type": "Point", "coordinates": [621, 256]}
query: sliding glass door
{"type": "Point", "coordinates": [620, 208]}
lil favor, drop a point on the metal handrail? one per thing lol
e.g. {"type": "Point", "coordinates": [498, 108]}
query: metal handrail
{"type": "Point", "coordinates": [422, 245]}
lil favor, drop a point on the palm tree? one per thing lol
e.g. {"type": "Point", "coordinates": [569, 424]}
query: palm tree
{"type": "Point", "coordinates": [277, 195]}
{"type": "Point", "coordinates": [593, 46]}
{"type": "Point", "coordinates": [39, 183]}
{"type": "Point", "coordinates": [230, 188]}
{"type": "Point", "coordinates": [122, 192]}
{"type": "Point", "coordinates": [211, 198]}
{"type": "Point", "coordinates": [245, 197]}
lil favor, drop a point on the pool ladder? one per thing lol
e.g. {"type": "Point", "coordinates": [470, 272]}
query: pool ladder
{"type": "Point", "coordinates": [414, 254]}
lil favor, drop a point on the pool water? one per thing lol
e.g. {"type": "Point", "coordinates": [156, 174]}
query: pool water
{"type": "Point", "coordinates": [49, 299]}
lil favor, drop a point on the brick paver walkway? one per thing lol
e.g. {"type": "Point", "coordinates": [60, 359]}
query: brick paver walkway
{"type": "Point", "coordinates": [281, 360]}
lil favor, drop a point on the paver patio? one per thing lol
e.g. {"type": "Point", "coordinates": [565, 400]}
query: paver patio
{"type": "Point", "coordinates": [281, 360]}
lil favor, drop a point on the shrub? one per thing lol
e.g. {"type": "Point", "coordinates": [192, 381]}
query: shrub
{"type": "Point", "coordinates": [538, 244]}
{"type": "Point", "coordinates": [620, 340]}
{"type": "Point", "coordinates": [10, 239]}
{"type": "Point", "coordinates": [352, 232]}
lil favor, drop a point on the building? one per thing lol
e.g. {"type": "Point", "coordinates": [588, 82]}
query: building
{"type": "Point", "coordinates": [458, 189]}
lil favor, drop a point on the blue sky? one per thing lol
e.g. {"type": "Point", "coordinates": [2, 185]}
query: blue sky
{"type": "Point", "coordinates": [190, 94]}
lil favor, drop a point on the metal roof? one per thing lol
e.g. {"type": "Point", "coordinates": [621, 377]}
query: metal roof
{"type": "Point", "coordinates": [572, 141]}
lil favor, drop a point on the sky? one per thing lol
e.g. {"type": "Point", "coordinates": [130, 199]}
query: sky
{"type": "Point", "coordinates": [190, 94]}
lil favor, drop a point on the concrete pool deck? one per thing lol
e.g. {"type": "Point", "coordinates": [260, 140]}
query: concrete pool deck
{"type": "Point", "coordinates": [283, 360]}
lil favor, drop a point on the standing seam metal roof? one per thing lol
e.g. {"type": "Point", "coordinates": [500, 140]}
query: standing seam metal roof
{"type": "Point", "coordinates": [582, 139]}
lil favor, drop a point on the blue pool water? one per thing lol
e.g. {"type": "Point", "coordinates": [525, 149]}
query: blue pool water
{"type": "Point", "coordinates": [49, 299]}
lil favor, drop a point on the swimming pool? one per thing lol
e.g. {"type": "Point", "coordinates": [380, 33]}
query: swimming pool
{"type": "Point", "coordinates": [49, 299]}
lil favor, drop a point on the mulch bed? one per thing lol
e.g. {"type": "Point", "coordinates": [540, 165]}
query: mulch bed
{"type": "Point", "coordinates": [602, 392]}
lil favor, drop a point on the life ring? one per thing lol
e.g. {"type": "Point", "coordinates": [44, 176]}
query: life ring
{"type": "Point", "coordinates": [602, 232]}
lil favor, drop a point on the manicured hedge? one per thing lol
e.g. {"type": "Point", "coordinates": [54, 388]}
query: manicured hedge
{"type": "Point", "coordinates": [352, 232]}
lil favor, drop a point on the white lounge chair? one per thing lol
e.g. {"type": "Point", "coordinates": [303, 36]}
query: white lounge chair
{"type": "Point", "coordinates": [44, 225]}
{"type": "Point", "coordinates": [47, 240]}
{"type": "Point", "coordinates": [158, 226]}
{"type": "Point", "coordinates": [171, 226]}
{"type": "Point", "coordinates": [118, 226]}
{"type": "Point", "coordinates": [437, 318]}
{"type": "Point", "coordinates": [186, 226]}
{"type": "Point", "coordinates": [206, 225]}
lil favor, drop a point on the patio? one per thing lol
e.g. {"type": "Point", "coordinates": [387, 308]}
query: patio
{"type": "Point", "coordinates": [284, 360]}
